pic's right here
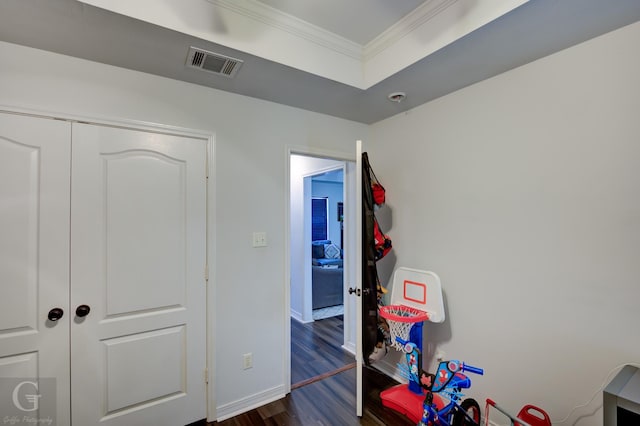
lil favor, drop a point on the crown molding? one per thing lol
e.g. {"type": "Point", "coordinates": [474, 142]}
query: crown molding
{"type": "Point", "coordinates": [265, 14]}
{"type": "Point", "coordinates": [405, 26]}
{"type": "Point", "coordinates": [275, 18]}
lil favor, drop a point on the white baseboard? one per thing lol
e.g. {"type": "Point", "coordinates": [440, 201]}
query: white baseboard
{"type": "Point", "coordinates": [350, 346]}
{"type": "Point", "coordinates": [298, 317]}
{"type": "Point", "coordinates": [243, 405]}
{"type": "Point", "coordinates": [389, 368]}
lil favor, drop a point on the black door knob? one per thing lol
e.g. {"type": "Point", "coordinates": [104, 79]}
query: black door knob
{"type": "Point", "coordinates": [55, 314]}
{"type": "Point", "coordinates": [82, 311]}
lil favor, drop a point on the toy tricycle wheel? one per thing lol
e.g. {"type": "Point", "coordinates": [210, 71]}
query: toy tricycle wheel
{"type": "Point", "coordinates": [471, 407]}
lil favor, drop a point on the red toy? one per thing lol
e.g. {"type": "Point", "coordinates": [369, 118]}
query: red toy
{"type": "Point", "coordinates": [416, 296]}
{"type": "Point", "coordinates": [529, 415]}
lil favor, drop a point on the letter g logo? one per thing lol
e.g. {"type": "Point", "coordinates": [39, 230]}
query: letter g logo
{"type": "Point", "coordinates": [32, 398]}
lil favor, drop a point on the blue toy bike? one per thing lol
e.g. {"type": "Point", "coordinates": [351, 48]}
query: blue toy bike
{"type": "Point", "coordinates": [446, 384]}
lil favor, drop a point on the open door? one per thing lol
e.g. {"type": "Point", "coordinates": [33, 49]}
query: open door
{"type": "Point", "coordinates": [358, 285]}
{"type": "Point", "coordinates": [366, 273]}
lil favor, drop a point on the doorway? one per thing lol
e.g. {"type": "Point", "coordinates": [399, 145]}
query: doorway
{"type": "Point", "coordinates": [316, 312]}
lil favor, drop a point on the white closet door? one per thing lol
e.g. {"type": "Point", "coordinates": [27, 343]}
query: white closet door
{"type": "Point", "coordinates": [34, 259]}
{"type": "Point", "coordinates": [138, 214]}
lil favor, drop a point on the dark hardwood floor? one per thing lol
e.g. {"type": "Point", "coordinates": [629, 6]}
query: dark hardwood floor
{"type": "Point", "coordinates": [316, 353]}
{"type": "Point", "coordinates": [316, 348]}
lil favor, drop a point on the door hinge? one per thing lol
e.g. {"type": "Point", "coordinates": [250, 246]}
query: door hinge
{"type": "Point", "coordinates": [206, 375]}
{"type": "Point", "coordinates": [206, 272]}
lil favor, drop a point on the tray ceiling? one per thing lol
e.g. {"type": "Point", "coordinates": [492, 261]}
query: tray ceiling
{"type": "Point", "coordinates": [329, 56]}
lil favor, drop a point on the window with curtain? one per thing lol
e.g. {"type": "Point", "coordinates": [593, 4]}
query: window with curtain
{"type": "Point", "coordinates": [319, 222]}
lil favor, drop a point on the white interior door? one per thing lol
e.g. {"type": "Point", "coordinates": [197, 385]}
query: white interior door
{"type": "Point", "coordinates": [358, 273]}
{"type": "Point", "coordinates": [34, 261]}
{"type": "Point", "coordinates": [138, 246]}
{"type": "Point", "coordinates": [350, 265]}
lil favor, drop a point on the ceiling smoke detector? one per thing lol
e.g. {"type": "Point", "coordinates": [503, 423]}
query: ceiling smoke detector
{"type": "Point", "coordinates": [397, 97]}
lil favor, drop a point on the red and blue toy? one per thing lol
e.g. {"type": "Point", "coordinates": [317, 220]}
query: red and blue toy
{"type": "Point", "coordinates": [427, 399]}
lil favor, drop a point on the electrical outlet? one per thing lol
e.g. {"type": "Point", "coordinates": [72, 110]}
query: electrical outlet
{"type": "Point", "coordinates": [247, 361]}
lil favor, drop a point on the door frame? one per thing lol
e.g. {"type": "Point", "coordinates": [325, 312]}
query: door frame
{"type": "Point", "coordinates": [349, 266]}
{"type": "Point", "coordinates": [210, 397]}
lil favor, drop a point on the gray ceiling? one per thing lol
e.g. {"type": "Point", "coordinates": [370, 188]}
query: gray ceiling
{"type": "Point", "coordinates": [536, 29]}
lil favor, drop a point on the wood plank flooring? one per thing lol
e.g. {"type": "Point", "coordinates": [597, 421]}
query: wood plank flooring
{"type": "Point", "coordinates": [331, 401]}
{"type": "Point", "coordinates": [316, 348]}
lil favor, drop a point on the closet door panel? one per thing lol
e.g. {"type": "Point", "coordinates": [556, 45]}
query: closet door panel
{"type": "Point", "coordinates": [20, 192]}
{"type": "Point", "coordinates": [136, 255]}
{"type": "Point", "coordinates": [142, 383]}
{"type": "Point", "coordinates": [138, 259]}
{"type": "Point", "coordinates": [34, 258]}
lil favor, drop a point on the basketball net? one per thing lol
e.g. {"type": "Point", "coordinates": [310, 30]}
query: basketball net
{"type": "Point", "coordinates": [401, 319]}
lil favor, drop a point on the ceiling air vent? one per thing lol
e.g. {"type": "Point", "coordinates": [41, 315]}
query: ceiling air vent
{"type": "Point", "coordinates": [213, 62]}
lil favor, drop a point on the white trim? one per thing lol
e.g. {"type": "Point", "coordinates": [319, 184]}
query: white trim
{"type": "Point", "coordinates": [432, 26]}
{"type": "Point", "coordinates": [108, 121]}
{"type": "Point", "coordinates": [298, 317]}
{"type": "Point", "coordinates": [256, 400]}
{"type": "Point", "coordinates": [389, 369]}
{"type": "Point", "coordinates": [350, 347]}
{"type": "Point", "coordinates": [322, 153]}
{"type": "Point", "coordinates": [414, 20]}
{"type": "Point", "coordinates": [286, 359]}
{"type": "Point", "coordinates": [323, 170]}
{"type": "Point", "coordinates": [297, 27]}
{"type": "Point", "coordinates": [211, 283]}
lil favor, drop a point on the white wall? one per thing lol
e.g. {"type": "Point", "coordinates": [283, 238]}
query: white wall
{"type": "Point", "coordinates": [251, 140]}
{"type": "Point", "coordinates": [523, 193]}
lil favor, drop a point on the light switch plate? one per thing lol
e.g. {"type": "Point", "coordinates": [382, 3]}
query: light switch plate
{"type": "Point", "coordinates": [259, 239]}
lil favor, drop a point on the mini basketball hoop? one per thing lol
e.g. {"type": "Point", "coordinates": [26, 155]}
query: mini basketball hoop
{"type": "Point", "coordinates": [400, 319]}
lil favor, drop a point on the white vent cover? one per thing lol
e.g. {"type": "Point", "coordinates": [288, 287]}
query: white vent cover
{"type": "Point", "coordinates": [213, 62]}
